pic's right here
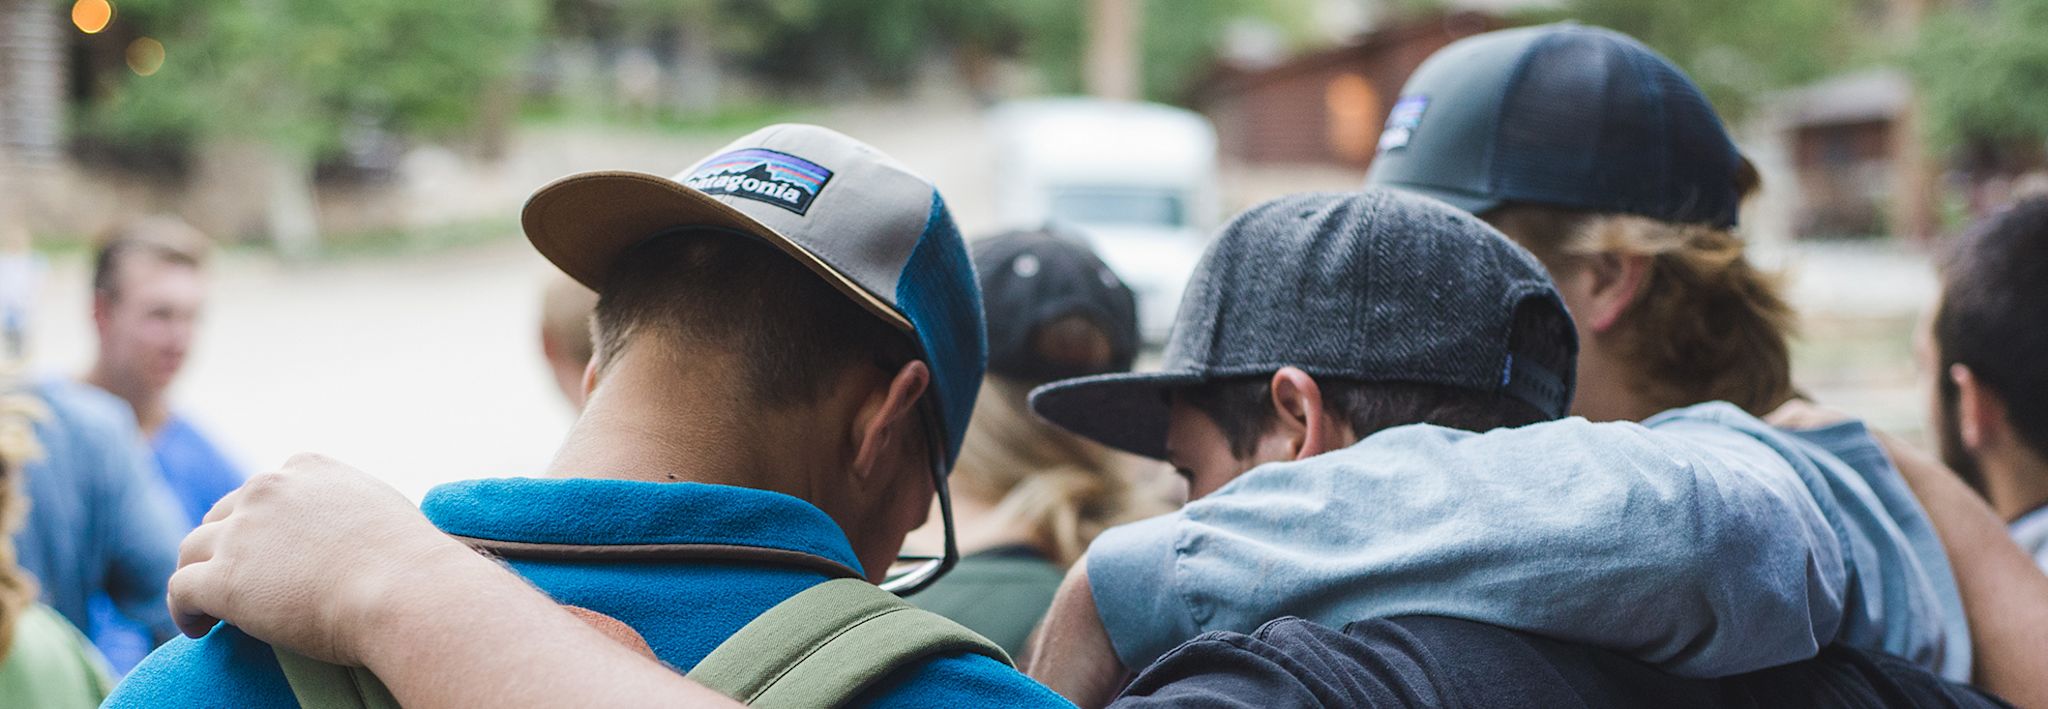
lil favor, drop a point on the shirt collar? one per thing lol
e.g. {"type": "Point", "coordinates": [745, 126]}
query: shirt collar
{"type": "Point", "coordinates": [2031, 530]}
{"type": "Point", "coordinates": [589, 511]}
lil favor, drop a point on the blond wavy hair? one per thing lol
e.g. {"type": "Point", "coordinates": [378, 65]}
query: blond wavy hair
{"type": "Point", "coordinates": [1062, 489]}
{"type": "Point", "coordinates": [1708, 326]}
{"type": "Point", "coordinates": [19, 410]}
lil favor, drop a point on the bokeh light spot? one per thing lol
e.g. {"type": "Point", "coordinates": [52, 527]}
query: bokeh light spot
{"type": "Point", "coordinates": [145, 56]}
{"type": "Point", "coordinates": [91, 16]}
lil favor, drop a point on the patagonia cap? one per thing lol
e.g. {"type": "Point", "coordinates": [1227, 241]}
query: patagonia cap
{"type": "Point", "coordinates": [1376, 286]}
{"type": "Point", "coordinates": [1562, 115]}
{"type": "Point", "coordinates": [1033, 278]}
{"type": "Point", "coordinates": [869, 226]}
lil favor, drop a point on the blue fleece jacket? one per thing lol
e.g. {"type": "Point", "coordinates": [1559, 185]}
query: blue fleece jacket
{"type": "Point", "coordinates": [682, 608]}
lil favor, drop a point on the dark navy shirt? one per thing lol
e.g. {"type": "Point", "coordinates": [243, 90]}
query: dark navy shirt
{"type": "Point", "coordinates": [1425, 661]}
{"type": "Point", "coordinates": [684, 608]}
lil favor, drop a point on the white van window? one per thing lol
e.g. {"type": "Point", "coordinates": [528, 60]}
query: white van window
{"type": "Point", "coordinates": [1119, 206]}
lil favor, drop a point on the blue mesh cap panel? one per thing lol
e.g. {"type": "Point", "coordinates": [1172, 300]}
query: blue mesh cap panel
{"type": "Point", "coordinates": [1597, 121]}
{"type": "Point", "coordinates": [1579, 129]}
{"type": "Point", "coordinates": [938, 292]}
{"type": "Point", "coordinates": [1704, 159]}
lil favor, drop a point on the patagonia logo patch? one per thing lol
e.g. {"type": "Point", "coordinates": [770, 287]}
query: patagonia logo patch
{"type": "Point", "coordinates": [1401, 123]}
{"type": "Point", "coordinates": [762, 175]}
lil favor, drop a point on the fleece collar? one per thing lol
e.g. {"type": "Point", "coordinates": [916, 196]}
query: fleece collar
{"type": "Point", "coordinates": [585, 512]}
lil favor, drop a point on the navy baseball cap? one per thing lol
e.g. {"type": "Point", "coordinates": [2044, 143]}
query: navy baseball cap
{"type": "Point", "coordinates": [1563, 115]}
{"type": "Point", "coordinates": [1377, 286]}
{"type": "Point", "coordinates": [1032, 278]}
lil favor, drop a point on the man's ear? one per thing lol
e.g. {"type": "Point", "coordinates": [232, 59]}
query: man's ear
{"type": "Point", "coordinates": [1615, 282]}
{"type": "Point", "coordinates": [102, 308]}
{"type": "Point", "coordinates": [1303, 428]}
{"type": "Point", "coordinates": [885, 421]}
{"type": "Point", "coordinates": [1980, 416]}
{"type": "Point", "coordinates": [549, 348]}
{"type": "Point", "coordinates": [589, 378]}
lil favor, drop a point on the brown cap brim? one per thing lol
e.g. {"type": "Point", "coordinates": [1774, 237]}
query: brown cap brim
{"type": "Point", "coordinates": [584, 222]}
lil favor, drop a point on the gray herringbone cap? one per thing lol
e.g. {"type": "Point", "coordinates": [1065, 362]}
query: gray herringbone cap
{"type": "Point", "coordinates": [1377, 285]}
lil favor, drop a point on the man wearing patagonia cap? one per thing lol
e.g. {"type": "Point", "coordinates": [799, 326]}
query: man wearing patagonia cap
{"type": "Point", "coordinates": [789, 342]}
{"type": "Point", "coordinates": [1317, 329]}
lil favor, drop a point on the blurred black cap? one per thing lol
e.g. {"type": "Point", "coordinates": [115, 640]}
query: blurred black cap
{"type": "Point", "coordinates": [1034, 278]}
{"type": "Point", "coordinates": [1377, 285]}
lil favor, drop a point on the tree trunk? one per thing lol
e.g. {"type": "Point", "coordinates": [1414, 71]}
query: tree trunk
{"type": "Point", "coordinates": [32, 42]}
{"type": "Point", "coordinates": [698, 78]}
{"type": "Point", "coordinates": [292, 215]}
{"type": "Point", "coordinates": [1115, 29]}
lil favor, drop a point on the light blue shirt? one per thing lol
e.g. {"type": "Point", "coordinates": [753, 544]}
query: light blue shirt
{"type": "Point", "coordinates": [2031, 532]}
{"type": "Point", "coordinates": [197, 475]}
{"type": "Point", "coordinates": [1703, 542]}
{"type": "Point", "coordinates": [100, 520]}
{"type": "Point", "coordinates": [1852, 443]}
{"type": "Point", "coordinates": [195, 470]}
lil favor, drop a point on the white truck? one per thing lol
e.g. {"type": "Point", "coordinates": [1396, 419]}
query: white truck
{"type": "Point", "coordinates": [1138, 180]}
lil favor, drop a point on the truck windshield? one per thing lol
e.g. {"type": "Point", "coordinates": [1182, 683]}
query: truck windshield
{"type": "Point", "coordinates": [1120, 206]}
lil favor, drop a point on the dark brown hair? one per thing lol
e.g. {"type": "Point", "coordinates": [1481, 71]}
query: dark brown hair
{"type": "Point", "coordinates": [162, 238]}
{"type": "Point", "coordinates": [1993, 316]}
{"type": "Point", "coordinates": [1243, 406]}
{"type": "Point", "coordinates": [795, 333]}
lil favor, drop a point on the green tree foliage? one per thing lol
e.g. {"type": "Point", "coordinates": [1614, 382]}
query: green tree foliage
{"type": "Point", "coordinates": [1735, 49]}
{"type": "Point", "coordinates": [1982, 70]}
{"type": "Point", "coordinates": [1180, 43]}
{"type": "Point", "coordinates": [297, 73]}
{"type": "Point", "coordinates": [884, 39]}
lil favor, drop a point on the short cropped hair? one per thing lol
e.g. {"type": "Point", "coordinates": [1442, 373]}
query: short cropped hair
{"type": "Point", "coordinates": [794, 333]}
{"type": "Point", "coordinates": [1243, 406]}
{"type": "Point", "coordinates": [1993, 316]}
{"type": "Point", "coordinates": [164, 239]}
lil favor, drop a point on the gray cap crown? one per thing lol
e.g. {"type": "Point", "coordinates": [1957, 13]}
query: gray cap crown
{"type": "Point", "coordinates": [1377, 285]}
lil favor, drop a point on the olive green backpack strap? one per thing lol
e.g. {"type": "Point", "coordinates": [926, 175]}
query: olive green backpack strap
{"type": "Point", "coordinates": [824, 646]}
{"type": "Point", "coordinates": [319, 685]}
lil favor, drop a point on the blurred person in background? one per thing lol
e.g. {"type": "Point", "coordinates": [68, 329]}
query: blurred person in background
{"type": "Point", "coordinates": [1028, 496]}
{"type": "Point", "coordinates": [149, 291]}
{"type": "Point", "coordinates": [566, 308]}
{"type": "Point", "coordinates": [44, 660]}
{"type": "Point", "coordinates": [102, 539]}
{"type": "Point", "coordinates": [20, 273]}
{"type": "Point", "coordinates": [1604, 160]}
{"type": "Point", "coordinates": [102, 532]}
{"type": "Point", "coordinates": [1985, 350]}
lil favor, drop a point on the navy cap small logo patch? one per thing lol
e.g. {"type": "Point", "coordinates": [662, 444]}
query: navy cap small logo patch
{"type": "Point", "coordinates": [1401, 123]}
{"type": "Point", "coordinates": [762, 175]}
